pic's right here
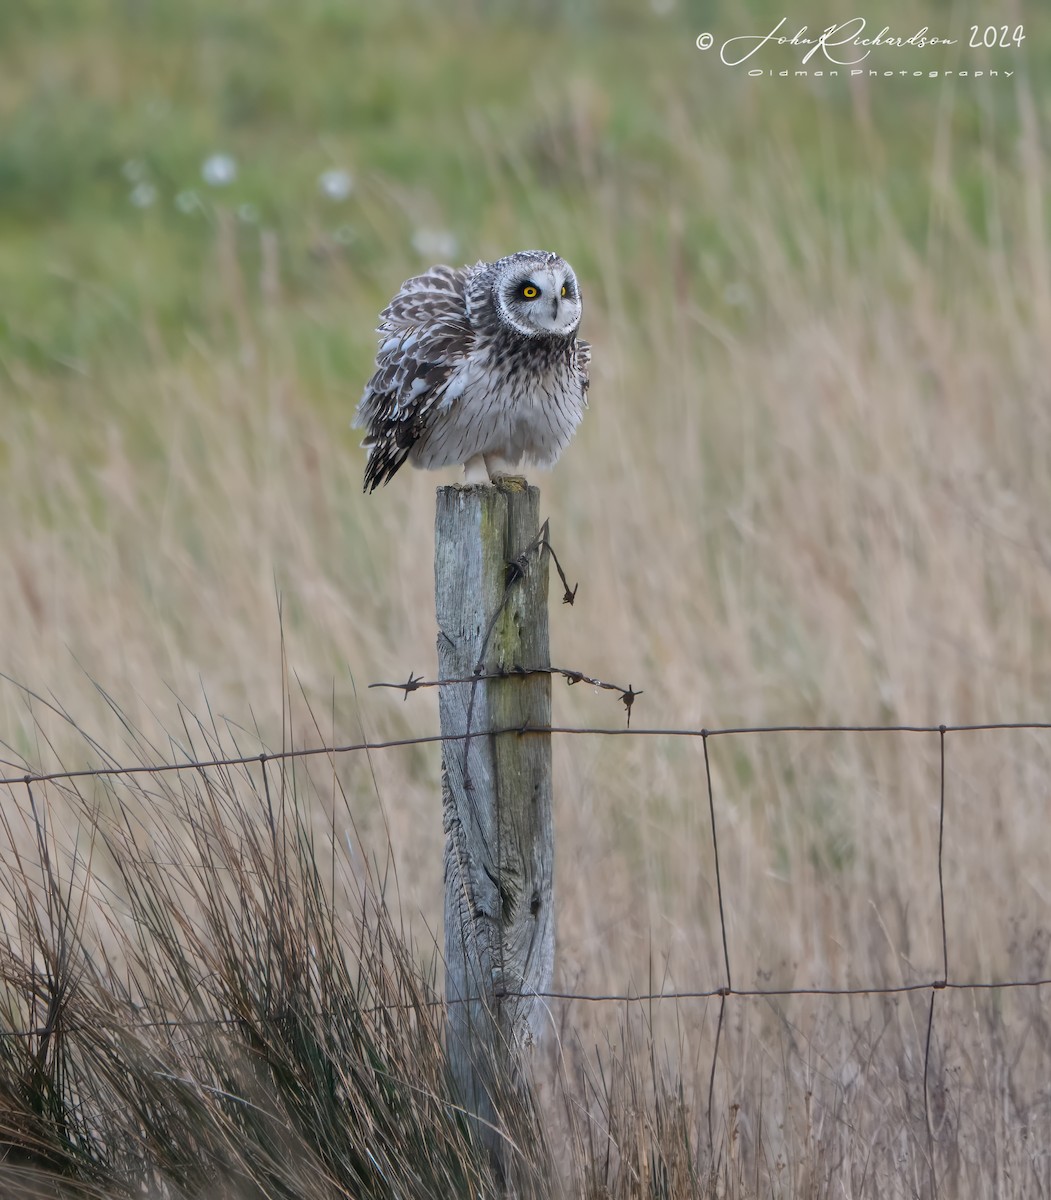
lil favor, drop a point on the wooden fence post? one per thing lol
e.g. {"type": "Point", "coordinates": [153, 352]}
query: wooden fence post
{"type": "Point", "coordinates": [496, 788]}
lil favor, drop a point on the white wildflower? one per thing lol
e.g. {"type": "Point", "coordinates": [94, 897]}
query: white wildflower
{"type": "Point", "coordinates": [143, 194]}
{"type": "Point", "coordinates": [219, 170]}
{"type": "Point", "coordinates": [335, 184]}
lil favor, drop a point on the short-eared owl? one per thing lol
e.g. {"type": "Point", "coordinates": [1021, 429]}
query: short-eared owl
{"type": "Point", "coordinates": [477, 365]}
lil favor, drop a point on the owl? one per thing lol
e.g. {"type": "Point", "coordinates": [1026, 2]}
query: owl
{"type": "Point", "coordinates": [477, 365]}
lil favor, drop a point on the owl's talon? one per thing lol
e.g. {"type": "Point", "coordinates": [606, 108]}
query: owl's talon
{"type": "Point", "coordinates": [475, 471]}
{"type": "Point", "coordinates": [510, 483]}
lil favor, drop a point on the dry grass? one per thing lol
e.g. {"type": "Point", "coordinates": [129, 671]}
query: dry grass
{"type": "Point", "coordinates": [812, 487]}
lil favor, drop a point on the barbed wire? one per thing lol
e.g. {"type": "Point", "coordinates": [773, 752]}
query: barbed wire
{"type": "Point", "coordinates": [415, 682]}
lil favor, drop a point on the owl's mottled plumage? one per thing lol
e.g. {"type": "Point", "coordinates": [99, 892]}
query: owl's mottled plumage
{"type": "Point", "coordinates": [477, 365]}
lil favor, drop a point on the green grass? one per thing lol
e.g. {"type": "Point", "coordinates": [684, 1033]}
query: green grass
{"type": "Point", "coordinates": [447, 118]}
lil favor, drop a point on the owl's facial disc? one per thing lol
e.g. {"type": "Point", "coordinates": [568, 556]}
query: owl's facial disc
{"type": "Point", "coordinates": [545, 302]}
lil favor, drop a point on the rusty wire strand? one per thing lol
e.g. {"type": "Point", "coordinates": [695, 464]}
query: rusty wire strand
{"type": "Point", "coordinates": [569, 594]}
{"type": "Point", "coordinates": [926, 1097]}
{"type": "Point", "coordinates": [718, 874]}
{"type": "Point", "coordinates": [941, 846]}
{"type": "Point", "coordinates": [671, 997]}
{"type": "Point", "coordinates": [711, 1076]}
{"type": "Point", "coordinates": [414, 683]}
{"type": "Point", "coordinates": [521, 730]}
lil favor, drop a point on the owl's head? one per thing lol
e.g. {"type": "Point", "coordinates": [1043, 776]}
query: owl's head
{"type": "Point", "coordinates": [537, 294]}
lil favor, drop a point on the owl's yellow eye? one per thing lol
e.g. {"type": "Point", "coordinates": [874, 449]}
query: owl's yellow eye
{"type": "Point", "coordinates": [530, 291]}
{"type": "Point", "coordinates": [563, 289]}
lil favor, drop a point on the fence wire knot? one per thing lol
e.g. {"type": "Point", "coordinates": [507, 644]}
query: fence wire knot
{"type": "Point", "coordinates": [411, 684]}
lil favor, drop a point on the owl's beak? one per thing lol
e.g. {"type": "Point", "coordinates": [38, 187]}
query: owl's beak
{"type": "Point", "coordinates": [555, 305]}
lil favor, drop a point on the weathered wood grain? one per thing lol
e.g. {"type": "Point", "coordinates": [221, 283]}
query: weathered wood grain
{"type": "Point", "coordinates": [499, 917]}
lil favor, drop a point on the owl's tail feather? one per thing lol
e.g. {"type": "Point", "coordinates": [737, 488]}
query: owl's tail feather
{"type": "Point", "coordinates": [385, 460]}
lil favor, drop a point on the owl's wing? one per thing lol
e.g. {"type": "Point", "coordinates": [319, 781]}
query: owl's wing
{"type": "Point", "coordinates": [425, 336]}
{"type": "Point", "coordinates": [582, 362]}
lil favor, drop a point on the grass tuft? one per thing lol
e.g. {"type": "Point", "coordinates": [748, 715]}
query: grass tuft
{"type": "Point", "coordinates": [199, 1000]}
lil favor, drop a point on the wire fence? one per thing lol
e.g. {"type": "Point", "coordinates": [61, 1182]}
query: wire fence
{"type": "Point", "coordinates": [726, 988]}
{"type": "Point", "coordinates": [705, 735]}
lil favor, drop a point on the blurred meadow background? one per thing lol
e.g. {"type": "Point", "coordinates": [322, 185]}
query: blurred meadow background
{"type": "Point", "coordinates": [812, 487]}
